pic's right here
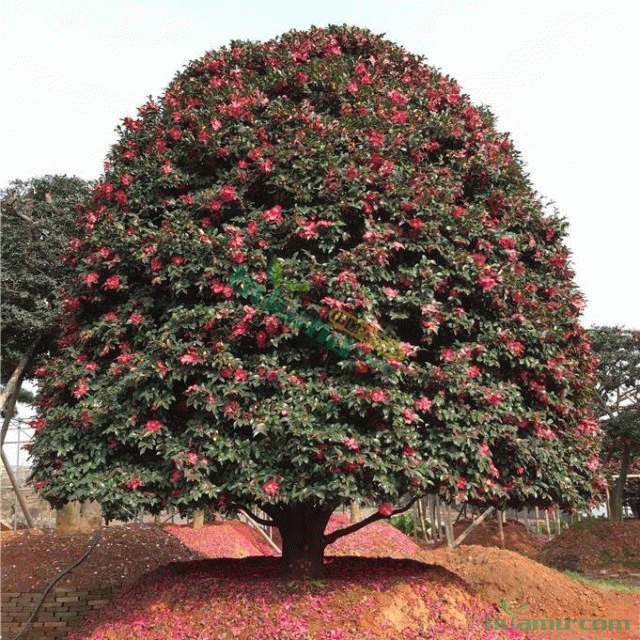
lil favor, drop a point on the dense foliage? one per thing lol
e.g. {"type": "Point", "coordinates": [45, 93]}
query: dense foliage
{"type": "Point", "coordinates": [618, 385]}
{"type": "Point", "coordinates": [270, 185]}
{"type": "Point", "coordinates": [37, 218]}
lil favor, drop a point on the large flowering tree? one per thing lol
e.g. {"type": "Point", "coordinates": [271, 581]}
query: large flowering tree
{"type": "Point", "coordinates": [314, 273]}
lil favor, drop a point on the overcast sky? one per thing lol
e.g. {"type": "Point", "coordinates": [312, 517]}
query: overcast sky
{"type": "Point", "coordinates": [561, 77]}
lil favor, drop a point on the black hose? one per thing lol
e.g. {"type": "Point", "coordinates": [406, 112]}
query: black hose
{"type": "Point", "coordinates": [92, 545]}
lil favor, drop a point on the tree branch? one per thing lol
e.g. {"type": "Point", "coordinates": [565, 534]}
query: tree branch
{"type": "Point", "coordinates": [16, 377]}
{"type": "Point", "coordinates": [374, 517]}
{"type": "Point", "coordinates": [255, 518]}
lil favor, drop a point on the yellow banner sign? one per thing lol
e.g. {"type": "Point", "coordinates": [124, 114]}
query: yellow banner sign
{"type": "Point", "coordinates": [366, 333]}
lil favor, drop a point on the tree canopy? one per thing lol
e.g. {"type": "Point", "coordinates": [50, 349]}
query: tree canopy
{"type": "Point", "coordinates": [312, 273]}
{"type": "Point", "coordinates": [37, 216]}
{"type": "Point", "coordinates": [618, 351]}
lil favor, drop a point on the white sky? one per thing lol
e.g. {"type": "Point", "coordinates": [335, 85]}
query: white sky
{"type": "Point", "coordinates": [558, 75]}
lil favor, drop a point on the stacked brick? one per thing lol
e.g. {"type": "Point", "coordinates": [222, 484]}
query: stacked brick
{"type": "Point", "coordinates": [62, 610]}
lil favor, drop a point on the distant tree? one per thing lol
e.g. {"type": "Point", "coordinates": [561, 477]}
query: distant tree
{"type": "Point", "coordinates": [36, 220]}
{"type": "Point", "coordinates": [312, 274]}
{"type": "Point", "coordinates": [618, 403]}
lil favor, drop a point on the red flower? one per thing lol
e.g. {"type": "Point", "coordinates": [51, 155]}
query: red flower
{"type": "Point", "coordinates": [136, 318]}
{"type": "Point", "coordinates": [175, 134]}
{"type": "Point", "coordinates": [385, 509]}
{"type": "Point", "coordinates": [273, 214]}
{"type": "Point", "coordinates": [351, 443]}
{"type": "Point", "coordinates": [473, 371]}
{"type": "Point", "coordinates": [81, 389]}
{"type": "Point", "coordinates": [379, 395]}
{"type": "Point", "coordinates": [134, 483]}
{"type": "Point", "coordinates": [493, 397]}
{"type": "Point", "coordinates": [397, 97]}
{"type": "Point", "coordinates": [113, 282]}
{"type": "Point", "coordinates": [90, 278]}
{"type": "Point", "coordinates": [228, 193]}
{"type": "Point", "coordinates": [153, 425]}
{"type": "Point", "coordinates": [270, 487]}
{"type": "Point", "coordinates": [409, 416]}
{"type": "Point", "coordinates": [189, 358]}
{"type": "Point", "coordinates": [488, 280]}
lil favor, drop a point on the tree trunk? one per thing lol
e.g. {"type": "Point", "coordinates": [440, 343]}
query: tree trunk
{"type": "Point", "coordinates": [617, 493]}
{"type": "Point", "coordinates": [302, 528]}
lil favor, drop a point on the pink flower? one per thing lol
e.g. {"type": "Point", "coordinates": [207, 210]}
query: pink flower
{"type": "Point", "coordinates": [409, 416]}
{"type": "Point", "coordinates": [473, 371]}
{"type": "Point", "coordinates": [240, 375]}
{"type": "Point", "coordinates": [273, 215]}
{"type": "Point", "coordinates": [423, 404]}
{"type": "Point", "coordinates": [487, 280]}
{"type": "Point", "coordinates": [134, 483]}
{"type": "Point", "coordinates": [507, 242]}
{"type": "Point", "coordinates": [81, 389]}
{"type": "Point", "coordinates": [379, 395]}
{"type": "Point", "coordinates": [38, 423]}
{"type": "Point", "coordinates": [90, 278]}
{"type": "Point", "coordinates": [493, 397]}
{"type": "Point", "coordinates": [376, 139]}
{"type": "Point", "coordinates": [351, 443]}
{"type": "Point", "coordinates": [126, 180]}
{"type": "Point", "coordinates": [593, 463]}
{"type": "Point", "coordinates": [270, 487]}
{"type": "Point", "coordinates": [113, 282]}
{"type": "Point", "coordinates": [153, 425]}
{"type": "Point", "coordinates": [228, 193]}
{"type": "Point", "coordinates": [190, 357]}
{"type": "Point", "coordinates": [136, 318]}
{"type": "Point", "coordinates": [385, 509]}
{"type": "Point", "coordinates": [272, 324]}
{"type": "Point", "coordinates": [397, 97]}
{"type": "Point", "coordinates": [516, 347]}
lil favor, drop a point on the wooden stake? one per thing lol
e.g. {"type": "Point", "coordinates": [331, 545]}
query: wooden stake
{"type": "Point", "coordinates": [499, 515]}
{"type": "Point", "coordinates": [471, 527]}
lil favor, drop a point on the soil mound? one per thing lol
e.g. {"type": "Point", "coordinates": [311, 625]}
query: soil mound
{"type": "Point", "coordinates": [31, 558]}
{"type": "Point", "coordinates": [379, 539]}
{"type": "Point", "coordinates": [516, 536]}
{"type": "Point", "coordinates": [498, 574]}
{"type": "Point", "coordinates": [600, 546]}
{"type": "Point", "coordinates": [226, 539]}
{"type": "Point", "coordinates": [226, 599]}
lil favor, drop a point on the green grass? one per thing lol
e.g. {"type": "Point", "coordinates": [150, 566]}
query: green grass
{"type": "Point", "coordinates": [608, 584]}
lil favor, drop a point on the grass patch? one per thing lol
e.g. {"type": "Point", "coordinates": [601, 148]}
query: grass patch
{"type": "Point", "coordinates": [608, 584]}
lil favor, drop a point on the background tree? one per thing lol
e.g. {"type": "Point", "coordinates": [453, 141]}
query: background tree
{"type": "Point", "coordinates": [312, 274]}
{"type": "Point", "coordinates": [36, 220]}
{"type": "Point", "coordinates": [618, 350]}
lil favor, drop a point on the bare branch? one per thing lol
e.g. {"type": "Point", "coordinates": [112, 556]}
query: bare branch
{"type": "Point", "coordinates": [255, 518]}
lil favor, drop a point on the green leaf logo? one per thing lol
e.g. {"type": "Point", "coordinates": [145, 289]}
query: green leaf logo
{"type": "Point", "coordinates": [276, 271]}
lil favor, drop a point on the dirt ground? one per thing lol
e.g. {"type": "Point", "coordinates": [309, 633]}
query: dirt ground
{"type": "Point", "coordinates": [32, 558]}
